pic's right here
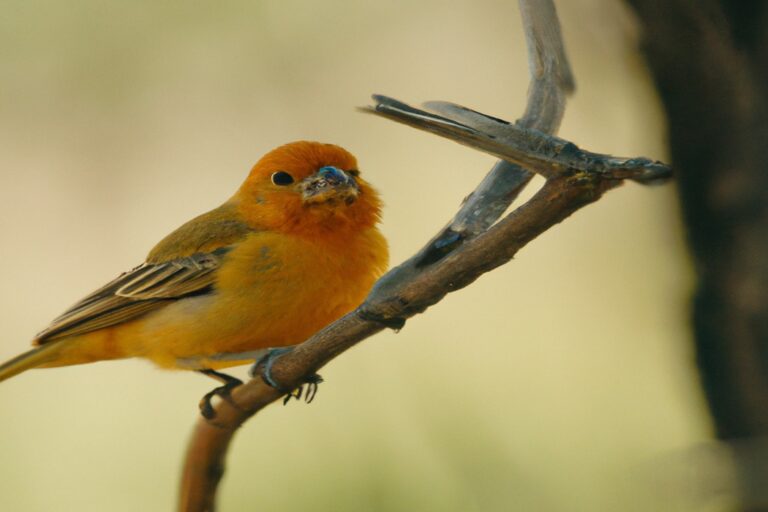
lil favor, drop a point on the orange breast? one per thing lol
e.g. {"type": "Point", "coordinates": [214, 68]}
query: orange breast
{"type": "Point", "coordinates": [274, 290]}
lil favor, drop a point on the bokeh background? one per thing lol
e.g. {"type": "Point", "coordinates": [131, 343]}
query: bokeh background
{"type": "Point", "coordinates": [563, 381]}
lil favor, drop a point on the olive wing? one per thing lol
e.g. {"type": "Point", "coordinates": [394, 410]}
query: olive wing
{"type": "Point", "coordinates": [145, 288]}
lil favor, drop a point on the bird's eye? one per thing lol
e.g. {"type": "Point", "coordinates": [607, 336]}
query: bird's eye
{"type": "Point", "coordinates": [353, 172]}
{"type": "Point", "coordinates": [282, 178]}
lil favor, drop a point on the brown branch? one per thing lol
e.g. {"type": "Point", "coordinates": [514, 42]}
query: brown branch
{"type": "Point", "coordinates": [470, 245]}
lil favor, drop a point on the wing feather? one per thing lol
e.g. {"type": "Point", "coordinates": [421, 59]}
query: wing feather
{"type": "Point", "coordinates": [134, 293]}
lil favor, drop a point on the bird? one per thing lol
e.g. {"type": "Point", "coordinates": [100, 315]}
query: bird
{"type": "Point", "coordinates": [296, 247]}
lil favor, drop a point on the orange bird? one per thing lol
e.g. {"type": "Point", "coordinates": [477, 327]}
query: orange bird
{"type": "Point", "coordinates": [295, 248]}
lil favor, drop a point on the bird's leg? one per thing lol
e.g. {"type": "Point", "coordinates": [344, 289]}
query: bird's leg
{"type": "Point", "coordinates": [230, 383]}
{"type": "Point", "coordinates": [263, 367]}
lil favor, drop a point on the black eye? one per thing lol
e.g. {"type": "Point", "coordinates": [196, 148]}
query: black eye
{"type": "Point", "coordinates": [282, 178]}
{"type": "Point", "coordinates": [354, 173]}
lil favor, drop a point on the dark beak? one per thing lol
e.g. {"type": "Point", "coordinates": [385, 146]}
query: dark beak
{"type": "Point", "coordinates": [329, 184]}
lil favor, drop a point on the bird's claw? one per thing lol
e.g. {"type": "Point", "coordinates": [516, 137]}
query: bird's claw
{"type": "Point", "coordinates": [263, 367]}
{"type": "Point", "coordinates": [223, 392]}
{"type": "Point", "coordinates": [313, 382]}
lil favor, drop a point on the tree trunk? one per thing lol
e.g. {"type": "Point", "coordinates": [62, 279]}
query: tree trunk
{"type": "Point", "coordinates": [709, 59]}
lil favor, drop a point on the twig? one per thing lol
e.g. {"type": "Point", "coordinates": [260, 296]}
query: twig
{"type": "Point", "coordinates": [470, 245]}
{"type": "Point", "coordinates": [551, 83]}
{"type": "Point", "coordinates": [547, 155]}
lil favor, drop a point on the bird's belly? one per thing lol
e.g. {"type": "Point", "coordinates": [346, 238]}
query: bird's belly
{"type": "Point", "coordinates": [272, 291]}
{"type": "Point", "coordinates": [232, 329]}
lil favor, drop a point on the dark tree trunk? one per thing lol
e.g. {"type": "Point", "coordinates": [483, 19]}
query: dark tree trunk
{"type": "Point", "coordinates": [709, 59]}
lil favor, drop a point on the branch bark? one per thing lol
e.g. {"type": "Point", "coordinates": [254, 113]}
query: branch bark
{"type": "Point", "coordinates": [471, 244]}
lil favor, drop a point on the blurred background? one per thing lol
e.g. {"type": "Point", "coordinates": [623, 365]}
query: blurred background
{"type": "Point", "coordinates": [121, 120]}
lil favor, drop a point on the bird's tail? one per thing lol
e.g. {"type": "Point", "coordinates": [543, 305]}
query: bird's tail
{"type": "Point", "coordinates": [30, 359]}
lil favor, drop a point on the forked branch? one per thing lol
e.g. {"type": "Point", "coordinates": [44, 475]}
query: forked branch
{"type": "Point", "coordinates": [472, 243]}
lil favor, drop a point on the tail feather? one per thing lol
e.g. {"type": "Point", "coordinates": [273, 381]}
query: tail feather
{"type": "Point", "coordinates": [30, 359]}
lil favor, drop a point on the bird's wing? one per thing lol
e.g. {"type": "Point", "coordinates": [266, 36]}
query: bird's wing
{"type": "Point", "coordinates": [143, 289]}
{"type": "Point", "coordinates": [182, 264]}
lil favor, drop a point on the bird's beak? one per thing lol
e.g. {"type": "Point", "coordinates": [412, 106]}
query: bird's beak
{"type": "Point", "coordinates": [329, 185]}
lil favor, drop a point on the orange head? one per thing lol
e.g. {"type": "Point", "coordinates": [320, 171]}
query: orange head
{"type": "Point", "coordinates": [308, 187]}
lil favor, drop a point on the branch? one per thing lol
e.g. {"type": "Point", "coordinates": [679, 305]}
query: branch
{"type": "Point", "coordinates": [547, 155]}
{"type": "Point", "coordinates": [551, 82]}
{"type": "Point", "coordinates": [471, 244]}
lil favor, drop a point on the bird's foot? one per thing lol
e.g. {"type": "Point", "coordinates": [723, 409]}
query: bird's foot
{"type": "Point", "coordinates": [313, 382]}
{"type": "Point", "coordinates": [263, 367]}
{"type": "Point", "coordinates": [223, 392]}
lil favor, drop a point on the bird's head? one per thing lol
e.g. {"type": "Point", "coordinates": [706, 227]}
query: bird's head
{"type": "Point", "coordinates": [308, 187]}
